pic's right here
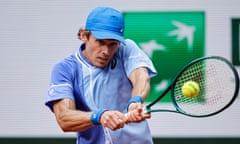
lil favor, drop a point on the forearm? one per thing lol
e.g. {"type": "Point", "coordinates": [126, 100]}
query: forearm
{"type": "Point", "coordinates": [73, 121]}
{"type": "Point", "coordinates": [141, 83]}
{"type": "Point", "coordinates": [70, 119]}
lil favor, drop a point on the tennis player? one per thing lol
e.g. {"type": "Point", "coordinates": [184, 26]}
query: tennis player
{"type": "Point", "coordinates": [92, 90]}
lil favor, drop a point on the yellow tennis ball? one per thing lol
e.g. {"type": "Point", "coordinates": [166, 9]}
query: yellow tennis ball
{"type": "Point", "coordinates": [190, 89]}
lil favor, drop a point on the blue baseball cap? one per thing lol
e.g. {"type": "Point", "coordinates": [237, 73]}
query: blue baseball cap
{"type": "Point", "coordinates": [106, 23]}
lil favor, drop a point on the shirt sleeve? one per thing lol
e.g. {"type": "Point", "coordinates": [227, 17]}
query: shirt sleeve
{"type": "Point", "coordinates": [61, 83]}
{"type": "Point", "coordinates": [134, 58]}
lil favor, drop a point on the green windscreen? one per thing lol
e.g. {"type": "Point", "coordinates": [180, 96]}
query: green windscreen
{"type": "Point", "coordinates": [170, 39]}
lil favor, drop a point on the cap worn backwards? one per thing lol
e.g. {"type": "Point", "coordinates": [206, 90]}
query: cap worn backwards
{"type": "Point", "coordinates": [106, 23]}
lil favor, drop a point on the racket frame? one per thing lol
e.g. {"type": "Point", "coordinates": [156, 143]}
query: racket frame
{"type": "Point", "coordinates": [171, 88]}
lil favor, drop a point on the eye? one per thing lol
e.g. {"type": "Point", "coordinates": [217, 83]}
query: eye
{"type": "Point", "coordinates": [113, 44]}
{"type": "Point", "coordinates": [101, 42]}
{"type": "Point", "coordinates": [108, 43]}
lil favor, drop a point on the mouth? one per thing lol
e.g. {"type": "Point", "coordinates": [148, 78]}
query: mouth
{"type": "Point", "coordinates": [103, 60]}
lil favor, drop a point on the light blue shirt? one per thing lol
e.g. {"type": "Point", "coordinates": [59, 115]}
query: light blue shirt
{"type": "Point", "coordinates": [92, 88]}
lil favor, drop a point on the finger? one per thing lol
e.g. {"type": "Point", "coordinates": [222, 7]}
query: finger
{"type": "Point", "coordinates": [137, 116]}
{"type": "Point", "coordinates": [146, 115]}
{"type": "Point", "coordinates": [134, 116]}
{"type": "Point", "coordinates": [116, 120]}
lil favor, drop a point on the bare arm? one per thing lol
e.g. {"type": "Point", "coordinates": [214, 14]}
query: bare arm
{"type": "Point", "coordinates": [70, 119]}
{"type": "Point", "coordinates": [141, 82]}
{"type": "Point", "coordinates": [141, 86]}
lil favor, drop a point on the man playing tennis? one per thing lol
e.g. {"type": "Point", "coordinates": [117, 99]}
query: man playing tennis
{"type": "Point", "coordinates": [108, 76]}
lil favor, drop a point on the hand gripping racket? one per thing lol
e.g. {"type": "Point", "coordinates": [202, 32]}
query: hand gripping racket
{"type": "Point", "coordinates": [218, 82]}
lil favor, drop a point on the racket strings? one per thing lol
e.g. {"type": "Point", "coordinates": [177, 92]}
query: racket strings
{"type": "Point", "coordinates": [215, 79]}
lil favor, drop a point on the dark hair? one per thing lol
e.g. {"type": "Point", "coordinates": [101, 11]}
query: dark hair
{"type": "Point", "coordinates": [87, 33]}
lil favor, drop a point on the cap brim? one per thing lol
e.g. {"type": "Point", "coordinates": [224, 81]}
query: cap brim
{"type": "Point", "coordinates": [108, 35]}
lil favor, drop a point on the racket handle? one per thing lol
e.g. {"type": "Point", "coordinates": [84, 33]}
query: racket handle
{"type": "Point", "coordinates": [145, 109]}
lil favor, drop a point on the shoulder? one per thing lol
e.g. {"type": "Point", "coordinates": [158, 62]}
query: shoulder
{"type": "Point", "coordinates": [66, 62]}
{"type": "Point", "coordinates": [65, 65]}
{"type": "Point", "coordinates": [130, 43]}
{"type": "Point", "coordinates": [129, 46]}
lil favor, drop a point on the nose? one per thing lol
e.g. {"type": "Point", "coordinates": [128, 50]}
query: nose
{"type": "Point", "coordinates": [106, 50]}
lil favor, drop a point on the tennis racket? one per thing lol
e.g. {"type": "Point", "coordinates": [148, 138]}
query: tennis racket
{"type": "Point", "coordinates": [218, 81]}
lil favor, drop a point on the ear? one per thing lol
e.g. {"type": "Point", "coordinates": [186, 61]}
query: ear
{"type": "Point", "coordinates": [82, 35]}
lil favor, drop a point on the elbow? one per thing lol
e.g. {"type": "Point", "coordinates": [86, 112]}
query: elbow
{"type": "Point", "coordinates": [64, 127]}
{"type": "Point", "coordinates": [63, 123]}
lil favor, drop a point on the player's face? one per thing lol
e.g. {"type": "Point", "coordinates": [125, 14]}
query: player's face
{"type": "Point", "coordinates": [100, 52]}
